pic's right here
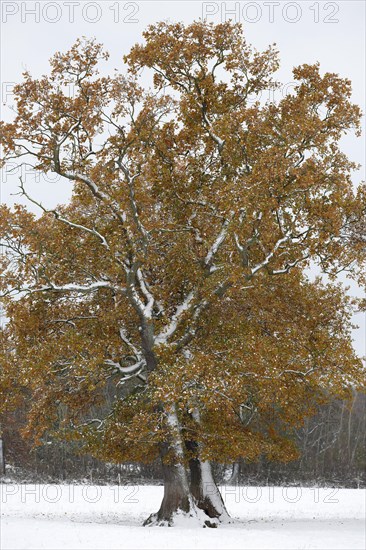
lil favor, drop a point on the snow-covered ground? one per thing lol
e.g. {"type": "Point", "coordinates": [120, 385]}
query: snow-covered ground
{"type": "Point", "coordinates": [93, 517]}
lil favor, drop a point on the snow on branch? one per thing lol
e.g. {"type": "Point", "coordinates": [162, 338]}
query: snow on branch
{"type": "Point", "coordinates": [64, 220]}
{"type": "Point", "coordinates": [217, 243]}
{"type": "Point", "coordinates": [270, 254]}
{"type": "Point", "coordinates": [71, 287]}
{"type": "Point", "coordinates": [170, 329]}
{"type": "Point", "coordinates": [289, 265]}
{"type": "Point", "coordinates": [144, 311]}
{"type": "Point", "coordinates": [126, 370]}
{"type": "Point", "coordinates": [147, 309]}
{"type": "Point", "coordinates": [287, 237]}
{"type": "Point", "coordinates": [102, 196]}
{"type": "Point", "coordinates": [124, 338]}
{"type": "Point", "coordinates": [135, 211]}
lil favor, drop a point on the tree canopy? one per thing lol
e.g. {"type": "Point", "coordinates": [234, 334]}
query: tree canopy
{"type": "Point", "coordinates": [176, 276]}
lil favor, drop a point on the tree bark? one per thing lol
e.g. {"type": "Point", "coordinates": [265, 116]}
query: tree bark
{"type": "Point", "coordinates": [234, 478]}
{"type": "Point", "coordinates": [205, 492]}
{"type": "Point", "coordinates": [2, 458]}
{"type": "Point", "coordinates": [178, 499]}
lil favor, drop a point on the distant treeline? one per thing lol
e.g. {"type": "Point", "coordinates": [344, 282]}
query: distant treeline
{"type": "Point", "coordinates": [332, 446]}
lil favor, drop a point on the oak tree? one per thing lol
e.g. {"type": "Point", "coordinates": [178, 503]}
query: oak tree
{"type": "Point", "coordinates": [176, 275]}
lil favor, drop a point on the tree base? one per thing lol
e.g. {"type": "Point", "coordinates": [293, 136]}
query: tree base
{"type": "Point", "coordinates": [205, 492]}
{"type": "Point", "coordinates": [198, 502]}
{"type": "Point", "coordinates": [194, 518]}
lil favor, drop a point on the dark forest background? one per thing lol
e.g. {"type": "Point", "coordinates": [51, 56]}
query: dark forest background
{"type": "Point", "coordinates": [332, 446]}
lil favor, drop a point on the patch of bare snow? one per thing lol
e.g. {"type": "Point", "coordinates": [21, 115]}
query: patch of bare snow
{"type": "Point", "coordinates": [110, 517]}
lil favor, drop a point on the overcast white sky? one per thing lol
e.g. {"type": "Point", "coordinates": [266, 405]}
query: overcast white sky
{"type": "Point", "coordinates": [332, 33]}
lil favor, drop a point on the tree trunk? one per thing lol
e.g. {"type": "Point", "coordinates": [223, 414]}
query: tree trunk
{"type": "Point", "coordinates": [234, 478]}
{"type": "Point", "coordinates": [178, 499]}
{"type": "Point", "coordinates": [204, 490]}
{"type": "Point", "coordinates": [2, 458]}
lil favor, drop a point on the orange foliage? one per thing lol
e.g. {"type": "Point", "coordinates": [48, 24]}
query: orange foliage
{"type": "Point", "coordinates": [176, 274]}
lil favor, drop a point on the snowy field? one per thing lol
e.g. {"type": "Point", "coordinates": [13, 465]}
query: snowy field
{"type": "Point", "coordinates": [110, 517]}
